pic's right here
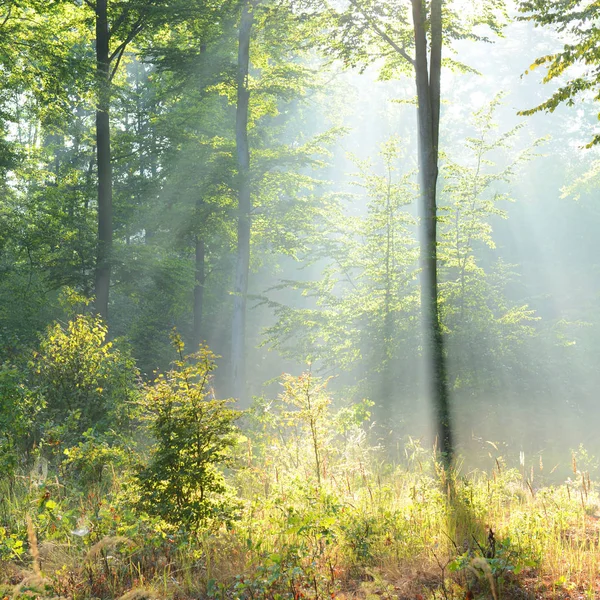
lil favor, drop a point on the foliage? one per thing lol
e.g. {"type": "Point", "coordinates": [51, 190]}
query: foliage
{"type": "Point", "coordinates": [18, 410]}
{"type": "Point", "coordinates": [365, 32]}
{"type": "Point", "coordinates": [96, 460]}
{"type": "Point", "coordinates": [118, 484]}
{"type": "Point", "coordinates": [193, 431]}
{"type": "Point", "coordinates": [11, 547]}
{"type": "Point", "coordinates": [475, 306]}
{"type": "Point", "coordinates": [368, 528]}
{"type": "Point", "coordinates": [311, 402]}
{"type": "Point", "coordinates": [317, 508]}
{"type": "Point", "coordinates": [575, 21]}
{"type": "Point", "coordinates": [83, 382]}
{"type": "Point", "coordinates": [362, 313]}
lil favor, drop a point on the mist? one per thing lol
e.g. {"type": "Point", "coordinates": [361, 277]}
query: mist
{"type": "Point", "coordinates": [539, 396]}
{"type": "Point", "coordinates": [299, 299]}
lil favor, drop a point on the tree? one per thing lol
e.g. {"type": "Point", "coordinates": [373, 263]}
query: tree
{"type": "Point", "coordinates": [387, 257]}
{"type": "Point", "coordinates": [82, 383]}
{"type": "Point", "coordinates": [576, 20]}
{"type": "Point", "coordinates": [369, 30]}
{"type": "Point", "coordinates": [193, 432]}
{"type": "Point", "coordinates": [266, 87]}
{"type": "Point", "coordinates": [242, 269]}
{"type": "Point", "coordinates": [177, 181]}
{"type": "Point", "coordinates": [428, 80]}
{"type": "Point", "coordinates": [105, 210]}
{"type": "Point", "coordinates": [174, 182]}
{"type": "Point", "coordinates": [485, 329]}
{"type": "Point", "coordinates": [359, 316]}
{"type": "Point", "coordinates": [117, 25]}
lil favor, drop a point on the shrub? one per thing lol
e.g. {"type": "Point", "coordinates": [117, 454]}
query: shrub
{"type": "Point", "coordinates": [17, 411]}
{"type": "Point", "coordinates": [84, 382]}
{"type": "Point", "coordinates": [96, 460]}
{"type": "Point", "coordinates": [193, 431]}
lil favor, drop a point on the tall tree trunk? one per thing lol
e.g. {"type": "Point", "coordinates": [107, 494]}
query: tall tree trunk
{"type": "Point", "coordinates": [200, 276]}
{"type": "Point", "coordinates": [200, 266]}
{"type": "Point", "coordinates": [238, 341]}
{"type": "Point", "coordinates": [428, 95]}
{"type": "Point", "coordinates": [388, 317]}
{"type": "Point", "coordinates": [104, 164]}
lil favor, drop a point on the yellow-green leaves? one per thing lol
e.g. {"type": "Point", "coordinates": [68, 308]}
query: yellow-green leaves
{"type": "Point", "coordinates": [182, 483]}
{"type": "Point", "coordinates": [575, 22]}
{"type": "Point", "coordinates": [84, 382]}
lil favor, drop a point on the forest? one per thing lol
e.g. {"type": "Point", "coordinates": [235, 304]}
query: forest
{"type": "Point", "coordinates": [299, 299]}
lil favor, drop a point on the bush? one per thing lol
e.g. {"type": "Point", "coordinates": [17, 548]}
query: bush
{"type": "Point", "coordinates": [193, 431]}
{"type": "Point", "coordinates": [17, 411]}
{"type": "Point", "coordinates": [96, 460]}
{"type": "Point", "coordinates": [84, 383]}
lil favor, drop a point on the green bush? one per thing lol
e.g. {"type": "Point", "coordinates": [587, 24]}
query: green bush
{"type": "Point", "coordinates": [17, 411]}
{"type": "Point", "coordinates": [84, 383]}
{"type": "Point", "coordinates": [96, 460]}
{"type": "Point", "coordinates": [193, 431]}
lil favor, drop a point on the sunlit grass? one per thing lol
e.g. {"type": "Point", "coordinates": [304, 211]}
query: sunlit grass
{"type": "Point", "coordinates": [369, 531]}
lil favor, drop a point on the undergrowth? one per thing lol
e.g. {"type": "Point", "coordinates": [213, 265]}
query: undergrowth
{"type": "Point", "coordinates": [291, 501]}
{"type": "Point", "coordinates": [372, 531]}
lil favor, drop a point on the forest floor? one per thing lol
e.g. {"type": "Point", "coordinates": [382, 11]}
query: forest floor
{"type": "Point", "coordinates": [404, 581]}
{"type": "Point", "coordinates": [361, 532]}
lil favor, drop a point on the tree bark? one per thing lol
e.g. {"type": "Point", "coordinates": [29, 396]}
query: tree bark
{"type": "Point", "coordinates": [105, 233]}
{"type": "Point", "coordinates": [238, 341]}
{"type": "Point", "coordinates": [199, 279]}
{"type": "Point", "coordinates": [386, 386]}
{"type": "Point", "coordinates": [435, 72]}
{"type": "Point", "coordinates": [200, 266]}
{"type": "Point", "coordinates": [428, 95]}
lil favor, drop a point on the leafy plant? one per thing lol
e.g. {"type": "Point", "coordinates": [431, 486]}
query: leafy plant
{"type": "Point", "coordinates": [193, 431]}
{"type": "Point", "coordinates": [17, 412]}
{"type": "Point", "coordinates": [307, 397]}
{"type": "Point", "coordinates": [83, 382]}
{"type": "Point", "coordinates": [11, 547]}
{"type": "Point", "coordinates": [89, 461]}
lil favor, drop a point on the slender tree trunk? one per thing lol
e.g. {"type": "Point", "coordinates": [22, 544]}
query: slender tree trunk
{"type": "Point", "coordinates": [238, 341]}
{"type": "Point", "coordinates": [388, 317]}
{"type": "Point", "coordinates": [435, 73]}
{"type": "Point", "coordinates": [200, 266]}
{"type": "Point", "coordinates": [200, 276]}
{"type": "Point", "coordinates": [104, 164]}
{"type": "Point", "coordinates": [428, 95]}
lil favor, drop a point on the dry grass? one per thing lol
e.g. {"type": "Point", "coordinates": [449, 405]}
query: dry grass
{"type": "Point", "coordinates": [106, 543]}
{"type": "Point", "coordinates": [139, 594]}
{"type": "Point", "coordinates": [393, 535]}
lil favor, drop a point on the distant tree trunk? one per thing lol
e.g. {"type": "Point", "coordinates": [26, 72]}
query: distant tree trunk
{"type": "Point", "coordinates": [386, 386]}
{"type": "Point", "coordinates": [105, 232]}
{"type": "Point", "coordinates": [428, 95]}
{"type": "Point", "coordinates": [200, 267]}
{"type": "Point", "coordinates": [238, 342]}
{"type": "Point", "coordinates": [200, 276]}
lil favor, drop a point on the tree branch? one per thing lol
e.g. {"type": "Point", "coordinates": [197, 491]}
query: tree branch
{"type": "Point", "coordinates": [120, 50]}
{"type": "Point", "coordinates": [8, 13]}
{"type": "Point", "coordinates": [120, 20]}
{"type": "Point", "coordinates": [383, 35]}
{"type": "Point", "coordinates": [135, 29]}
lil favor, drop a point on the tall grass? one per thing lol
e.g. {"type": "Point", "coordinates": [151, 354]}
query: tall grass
{"type": "Point", "coordinates": [363, 528]}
